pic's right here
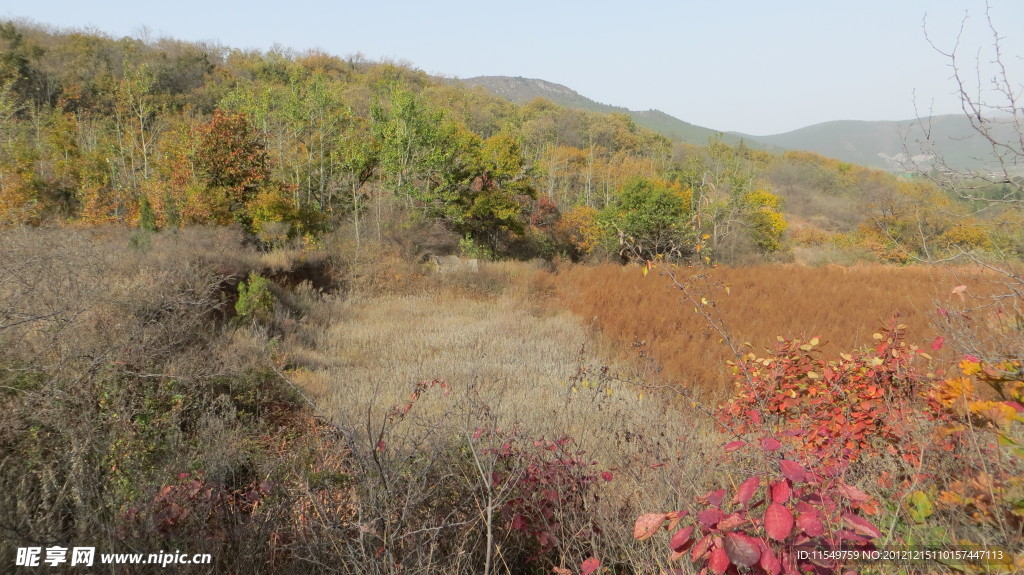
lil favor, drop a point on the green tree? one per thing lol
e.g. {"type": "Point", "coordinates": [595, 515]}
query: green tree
{"type": "Point", "coordinates": [493, 202]}
{"type": "Point", "coordinates": [652, 219]}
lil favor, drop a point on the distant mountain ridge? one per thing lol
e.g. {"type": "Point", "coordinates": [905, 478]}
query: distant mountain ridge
{"type": "Point", "coordinates": [522, 90]}
{"type": "Point", "coordinates": [890, 145]}
{"type": "Point", "coordinates": [896, 145]}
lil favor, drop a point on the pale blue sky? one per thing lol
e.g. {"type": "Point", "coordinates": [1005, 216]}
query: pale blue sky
{"type": "Point", "coordinates": [755, 66]}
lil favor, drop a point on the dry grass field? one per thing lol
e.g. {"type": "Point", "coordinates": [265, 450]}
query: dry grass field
{"type": "Point", "coordinates": [843, 306]}
{"type": "Point", "coordinates": [510, 420]}
{"type": "Point", "coordinates": [514, 364]}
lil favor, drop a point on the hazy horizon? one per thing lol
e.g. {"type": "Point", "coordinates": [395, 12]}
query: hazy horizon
{"type": "Point", "coordinates": [749, 67]}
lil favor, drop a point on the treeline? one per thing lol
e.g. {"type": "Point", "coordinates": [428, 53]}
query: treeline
{"type": "Point", "coordinates": [161, 134]}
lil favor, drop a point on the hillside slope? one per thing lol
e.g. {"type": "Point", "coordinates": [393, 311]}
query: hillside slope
{"type": "Point", "coordinates": [523, 90]}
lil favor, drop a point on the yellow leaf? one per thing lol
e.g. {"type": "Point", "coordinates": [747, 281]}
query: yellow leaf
{"type": "Point", "coordinates": [969, 367]}
{"type": "Point", "coordinates": [1000, 414]}
{"type": "Point", "coordinates": [814, 341]}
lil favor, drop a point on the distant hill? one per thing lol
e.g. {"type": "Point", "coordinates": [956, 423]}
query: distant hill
{"type": "Point", "coordinates": [889, 145]}
{"type": "Point", "coordinates": [896, 145]}
{"type": "Point", "coordinates": [523, 90]}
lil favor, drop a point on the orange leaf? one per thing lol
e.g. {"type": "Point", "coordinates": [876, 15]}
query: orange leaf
{"type": "Point", "coordinates": [647, 525]}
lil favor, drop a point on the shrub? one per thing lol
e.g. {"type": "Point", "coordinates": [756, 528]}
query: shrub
{"type": "Point", "coordinates": [255, 301]}
{"type": "Point", "coordinates": [830, 412]}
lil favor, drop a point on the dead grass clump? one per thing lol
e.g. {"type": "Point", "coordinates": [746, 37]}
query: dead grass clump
{"type": "Point", "coordinates": [132, 419]}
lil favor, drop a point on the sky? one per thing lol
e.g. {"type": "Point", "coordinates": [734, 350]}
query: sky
{"type": "Point", "coordinates": [753, 66]}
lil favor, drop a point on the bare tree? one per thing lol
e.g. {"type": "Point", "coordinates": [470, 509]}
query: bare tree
{"type": "Point", "coordinates": [994, 110]}
{"type": "Point", "coordinates": [986, 321]}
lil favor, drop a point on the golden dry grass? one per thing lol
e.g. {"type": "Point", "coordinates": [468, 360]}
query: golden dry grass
{"type": "Point", "coordinates": [515, 354]}
{"type": "Point", "coordinates": [510, 337]}
{"type": "Point", "coordinates": [843, 306]}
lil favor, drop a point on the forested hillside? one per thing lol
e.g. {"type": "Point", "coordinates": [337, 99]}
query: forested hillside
{"type": "Point", "coordinates": [163, 134]}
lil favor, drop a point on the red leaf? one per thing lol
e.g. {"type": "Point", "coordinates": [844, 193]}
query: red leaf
{"type": "Point", "coordinates": [719, 561]}
{"type": "Point", "coordinates": [714, 497]}
{"type": "Point", "coordinates": [853, 494]}
{"type": "Point", "coordinates": [810, 523]}
{"type": "Point", "coordinates": [741, 549]}
{"type": "Point", "coordinates": [847, 535]}
{"type": "Point", "coordinates": [781, 491]}
{"type": "Point", "coordinates": [647, 525]}
{"type": "Point", "coordinates": [792, 471]}
{"type": "Point", "coordinates": [768, 562]}
{"type": "Point", "coordinates": [518, 522]}
{"type": "Point", "coordinates": [732, 522]}
{"type": "Point", "coordinates": [607, 475]}
{"type": "Point", "coordinates": [710, 517]}
{"type": "Point", "coordinates": [937, 343]}
{"type": "Point", "coordinates": [861, 525]}
{"type": "Point", "coordinates": [778, 522]}
{"type": "Point", "coordinates": [746, 490]}
{"type": "Point", "coordinates": [589, 566]}
{"type": "Point", "coordinates": [681, 540]}
{"type": "Point", "coordinates": [770, 444]}
{"type": "Point", "coordinates": [734, 445]}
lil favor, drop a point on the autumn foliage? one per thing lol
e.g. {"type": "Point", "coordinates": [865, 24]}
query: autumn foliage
{"type": "Point", "coordinates": [831, 412]}
{"type": "Point", "coordinates": [813, 428]}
